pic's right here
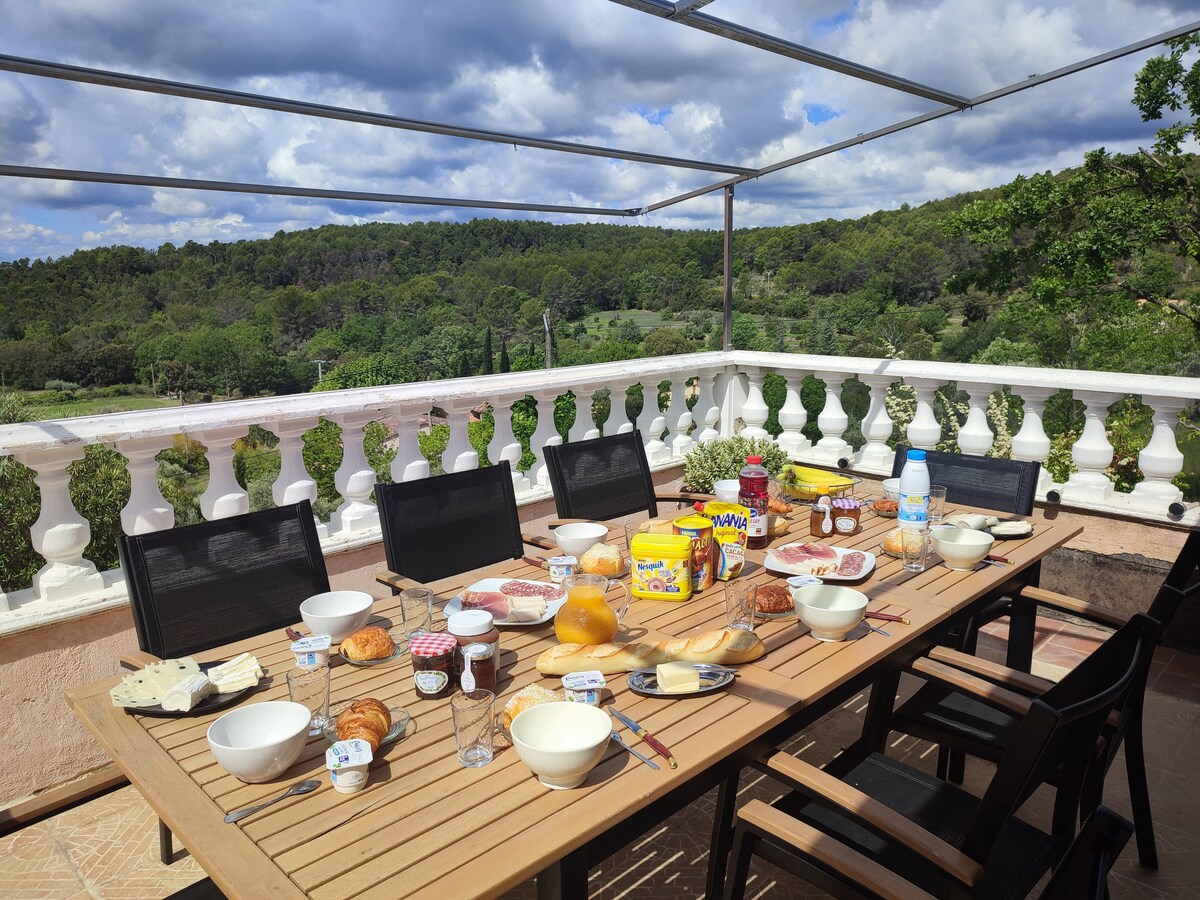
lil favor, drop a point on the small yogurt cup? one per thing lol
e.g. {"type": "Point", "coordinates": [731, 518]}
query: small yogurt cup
{"type": "Point", "coordinates": [562, 567]}
{"type": "Point", "coordinates": [312, 652]}
{"type": "Point", "coordinates": [349, 763]}
{"type": "Point", "coordinates": [584, 687]}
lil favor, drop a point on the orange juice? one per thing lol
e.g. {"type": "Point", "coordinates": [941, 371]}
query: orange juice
{"type": "Point", "coordinates": [585, 618]}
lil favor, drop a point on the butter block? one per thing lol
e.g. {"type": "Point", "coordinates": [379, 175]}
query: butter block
{"type": "Point", "coordinates": [677, 678]}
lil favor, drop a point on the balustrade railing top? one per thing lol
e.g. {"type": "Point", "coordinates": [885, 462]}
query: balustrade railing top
{"type": "Point", "coordinates": [728, 397]}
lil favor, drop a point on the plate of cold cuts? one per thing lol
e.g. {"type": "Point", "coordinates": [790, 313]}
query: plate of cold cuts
{"type": "Point", "coordinates": [822, 560]}
{"type": "Point", "coordinates": [511, 601]}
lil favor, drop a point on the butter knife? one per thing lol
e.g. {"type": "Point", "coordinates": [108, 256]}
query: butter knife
{"type": "Point", "coordinates": [646, 736]}
{"type": "Point", "coordinates": [620, 743]}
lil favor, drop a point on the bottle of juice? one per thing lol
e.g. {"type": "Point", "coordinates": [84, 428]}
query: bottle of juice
{"type": "Point", "coordinates": [752, 494]}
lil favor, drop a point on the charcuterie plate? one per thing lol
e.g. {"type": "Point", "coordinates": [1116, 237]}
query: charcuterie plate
{"type": "Point", "coordinates": [844, 564]}
{"type": "Point", "coordinates": [526, 589]}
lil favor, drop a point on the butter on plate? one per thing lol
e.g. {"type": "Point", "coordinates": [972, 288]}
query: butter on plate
{"type": "Point", "coordinates": [677, 678]}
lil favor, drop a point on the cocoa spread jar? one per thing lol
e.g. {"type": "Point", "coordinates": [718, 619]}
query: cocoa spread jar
{"type": "Point", "coordinates": [433, 661]}
{"type": "Point", "coordinates": [478, 667]}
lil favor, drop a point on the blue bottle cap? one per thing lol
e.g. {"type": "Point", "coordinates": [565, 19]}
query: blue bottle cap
{"type": "Point", "coordinates": [918, 455]}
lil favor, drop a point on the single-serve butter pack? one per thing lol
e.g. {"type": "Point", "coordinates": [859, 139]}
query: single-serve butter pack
{"type": "Point", "coordinates": [662, 566]}
{"type": "Point", "coordinates": [348, 763]}
{"type": "Point", "coordinates": [729, 522]}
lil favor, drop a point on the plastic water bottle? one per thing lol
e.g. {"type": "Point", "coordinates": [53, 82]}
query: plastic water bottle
{"type": "Point", "coordinates": [914, 492]}
{"type": "Point", "coordinates": [752, 494]}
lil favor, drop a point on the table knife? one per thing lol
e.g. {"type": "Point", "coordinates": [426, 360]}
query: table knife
{"type": "Point", "coordinates": [620, 743]}
{"type": "Point", "coordinates": [646, 736]}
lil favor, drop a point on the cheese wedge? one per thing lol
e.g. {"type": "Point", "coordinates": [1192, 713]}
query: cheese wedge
{"type": "Point", "coordinates": [239, 673]}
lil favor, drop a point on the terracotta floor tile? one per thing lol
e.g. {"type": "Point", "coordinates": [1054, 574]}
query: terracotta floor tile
{"type": "Point", "coordinates": [33, 867]}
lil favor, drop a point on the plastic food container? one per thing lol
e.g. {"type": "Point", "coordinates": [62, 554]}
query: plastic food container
{"type": "Point", "coordinates": [662, 566]}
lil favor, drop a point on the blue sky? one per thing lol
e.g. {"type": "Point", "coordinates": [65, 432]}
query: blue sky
{"type": "Point", "coordinates": [589, 71]}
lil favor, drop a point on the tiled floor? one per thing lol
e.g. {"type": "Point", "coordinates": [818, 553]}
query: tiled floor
{"type": "Point", "coordinates": [108, 848]}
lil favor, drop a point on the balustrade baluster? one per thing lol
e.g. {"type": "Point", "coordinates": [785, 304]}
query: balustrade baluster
{"type": "Point", "coordinates": [875, 455]}
{"type": "Point", "coordinates": [410, 463]}
{"type": "Point", "coordinates": [1092, 453]}
{"type": "Point", "coordinates": [1030, 442]}
{"type": "Point", "coordinates": [543, 436]}
{"type": "Point", "coordinates": [975, 435]}
{"type": "Point", "coordinates": [793, 417]}
{"type": "Point", "coordinates": [650, 410]}
{"type": "Point", "coordinates": [459, 455]}
{"type": "Point", "coordinates": [754, 411]}
{"type": "Point", "coordinates": [924, 431]}
{"type": "Point", "coordinates": [60, 533]}
{"type": "Point", "coordinates": [223, 497]}
{"type": "Point", "coordinates": [583, 428]}
{"type": "Point", "coordinates": [147, 509]}
{"type": "Point", "coordinates": [504, 444]}
{"type": "Point", "coordinates": [833, 422]}
{"type": "Point", "coordinates": [354, 479]}
{"type": "Point", "coordinates": [1160, 460]}
{"type": "Point", "coordinates": [294, 483]}
{"type": "Point", "coordinates": [618, 414]}
{"type": "Point", "coordinates": [679, 418]}
{"type": "Point", "coordinates": [706, 412]}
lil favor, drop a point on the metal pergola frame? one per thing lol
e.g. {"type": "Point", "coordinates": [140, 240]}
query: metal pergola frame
{"type": "Point", "coordinates": [683, 12]}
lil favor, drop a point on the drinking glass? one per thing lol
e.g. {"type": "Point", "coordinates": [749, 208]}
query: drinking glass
{"type": "Point", "coordinates": [937, 502]}
{"type": "Point", "coordinates": [914, 547]}
{"type": "Point", "coordinates": [740, 605]}
{"type": "Point", "coordinates": [416, 611]}
{"type": "Point", "coordinates": [474, 722]}
{"type": "Point", "coordinates": [310, 688]}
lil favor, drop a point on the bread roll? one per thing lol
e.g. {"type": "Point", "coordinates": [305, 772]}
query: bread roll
{"type": "Point", "coordinates": [603, 559]}
{"type": "Point", "coordinates": [723, 647]}
{"type": "Point", "coordinates": [530, 695]}
{"type": "Point", "coordinates": [367, 720]}
{"type": "Point", "coordinates": [371, 642]}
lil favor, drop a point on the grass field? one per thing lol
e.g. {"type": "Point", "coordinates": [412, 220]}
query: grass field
{"type": "Point", "coordinates": [45, 406]}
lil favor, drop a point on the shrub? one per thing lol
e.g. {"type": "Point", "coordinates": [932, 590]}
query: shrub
{"type": "Point", "coordinates": [725, 457]}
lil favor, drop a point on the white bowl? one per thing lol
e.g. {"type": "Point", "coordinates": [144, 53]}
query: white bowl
{"type": "Point", "coordinates": [726, 490]}
{"type": "Point", "coordinates": [561, 742]}
{"type": "Point", "coordinates": [337, 613]}
{"type": "Point", "coordinates": [891, 488]}
{"type": "Point", "coordinates": [830, 611]}
{"type": "Point", "coordinates": [260, 741]}
{"type": "Point", "coordinates": [577, 538]}
{"type": "Point", "coordinates": [961, 549]}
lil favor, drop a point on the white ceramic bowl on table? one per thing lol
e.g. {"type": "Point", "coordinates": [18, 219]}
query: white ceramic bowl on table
{"type": "Point", "coordinates": [337, 613]}
{"type": "Point", "coordinates": [891, 488]}
{"type": "Point", "coordinates": [961, 549]}
{"type": "Point", "coordinates": [726, 490]}
{"type": "Point", "coordinates": [577, 538]}
{"type": "Point", "coordinates": [561, 742]}
{"type": "Point", "coordinates": [830, 611]}
{"type": "Point", "coordinates": [258, 742]}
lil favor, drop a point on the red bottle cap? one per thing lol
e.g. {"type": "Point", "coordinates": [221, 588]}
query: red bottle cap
{"type": "Point", "coordinates": [754, 460]}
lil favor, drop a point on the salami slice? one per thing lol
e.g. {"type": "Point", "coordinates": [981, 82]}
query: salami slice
{"type": "Point", "coordinates": [851, 564]}
{"type": "Point", "coordinates": [531, 589]}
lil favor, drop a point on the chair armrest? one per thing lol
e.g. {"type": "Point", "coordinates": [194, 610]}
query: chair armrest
{"type": "Point", "coordinates": [978, 688]}
{"type": "Point", "coordinates": [138, 659]}
{"type": "Point", "coordinates": [396, 580]}
{"type": "Point", "coordinates": [1075, 607]}
{"type": "Point", "coordinates": [885, 820]}
{"type": "Point", "coordinates": [535, 540]}
{"type": "Point", "coordinates": [830, 853]}
{"type": "Point", "coordinates": [1023, 682]}
{"type": "Point", "coordinates": [683, 496]}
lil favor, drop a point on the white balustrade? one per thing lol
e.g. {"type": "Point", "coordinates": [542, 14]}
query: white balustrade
{"type": "Point", "coordinates": [293, 483]}
{"type": "Point", "coordinates": [354, 479]}
{"type": "Point", "coordinates": [504, 444]}
{"type": "Point", "coordinates": [223, 497]}
{"type": "Point", "coordinates": [618, 421]}
{"type": "Point", "coordinates": [679, 418]}
{"type": "Point", "coordinates": [1161, 459]}
{"type": "Point", "coordinates": [706, 412]}
{"type": "Point", "coordinates": [650, 411]}
{"type": "Point", "coordinates": [60, 533]}
{"type": "Point", "coordinates": [875, 455]}
{"type": "Point", "coordinates": [147, 509]}
{"type": "Point", "coordinates": [975, 435]}
{"type": "Point", "coordinates": [924, 431]}
{"type": "Point", "coordinates": [459, 455]}
{"type": "Point", "coordinates": [543, 436]}
{"type": "Point", "coordinates": [793, 418]}
{"type": "Point", "coordinates": [409, 463]}
{"type": "Point", "coordinates": [583, 428]}
{"type": "Point", "coordinates": [755, 411]}
{"type": "Point", "coordinates": [1092, 453]}
{"type": "Point", "coordinates": [833, 422]}
{"type": "Point", "coordinates": [1030, 443]}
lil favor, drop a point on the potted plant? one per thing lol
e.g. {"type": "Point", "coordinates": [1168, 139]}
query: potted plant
{"type": "Point", "coordinates": [725, 457]}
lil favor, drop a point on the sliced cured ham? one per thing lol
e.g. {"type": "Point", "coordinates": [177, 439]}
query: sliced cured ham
{"type": "Point", "coordinates": [493, 601]}
{"type": "Point", "coordinates": [795, 554]}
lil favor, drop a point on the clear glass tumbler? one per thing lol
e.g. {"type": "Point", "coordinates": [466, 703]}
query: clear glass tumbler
{"type": "Point", "coordinates": [740, 605]}
{"type": "Point", "coordinates": [937, 502]}
{"type": "Point", "coordinates": [474, 721]}
{"type": "Point", "coordinates": [310, 688]}
{"type": "Point", "coordinates": [915, 547]}
{"type": "Point", "coordinates": [416, 611]}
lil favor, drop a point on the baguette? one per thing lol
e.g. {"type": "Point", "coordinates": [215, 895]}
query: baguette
{"type": "Point", "coordinates": [723, 647]}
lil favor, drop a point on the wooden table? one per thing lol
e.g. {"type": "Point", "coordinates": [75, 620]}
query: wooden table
{"type": "Point", "coordinates": [426, 827]}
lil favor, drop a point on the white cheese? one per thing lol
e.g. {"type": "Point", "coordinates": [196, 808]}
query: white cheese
{"type": "Point", "coordinates": [236, 683]}
{"type": "Point", "coordinates": [187, 693]}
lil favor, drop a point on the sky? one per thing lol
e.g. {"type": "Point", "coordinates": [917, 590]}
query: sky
{"type": "Point", "coordinates": [587, 71]}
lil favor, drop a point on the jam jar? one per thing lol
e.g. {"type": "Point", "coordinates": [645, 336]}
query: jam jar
{"type": "Point", "coordinates": [433, 664]}
{"type": "Point", "coordinates": [478, 663]}
{"type": "Point", "coordinates": [846, 512]}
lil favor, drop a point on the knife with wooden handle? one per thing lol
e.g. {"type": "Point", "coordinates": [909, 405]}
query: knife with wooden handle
{"type": "Point", "coordinates": [646, 736]}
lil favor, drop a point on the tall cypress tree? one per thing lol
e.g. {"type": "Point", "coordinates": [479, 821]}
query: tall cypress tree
{"type": "Point", "coordinates": [487, 351]}
{"type": "Point", "coordinates": [503, 355]}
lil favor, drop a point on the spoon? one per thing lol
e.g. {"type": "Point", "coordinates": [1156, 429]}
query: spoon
{"type": "Point", "coordinates": [302, 788]}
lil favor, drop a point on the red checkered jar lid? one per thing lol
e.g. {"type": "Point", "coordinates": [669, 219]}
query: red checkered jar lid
{"type": "Point", "coordinates": [432, 644]}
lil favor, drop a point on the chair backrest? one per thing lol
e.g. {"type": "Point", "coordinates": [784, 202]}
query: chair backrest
{"type": "Point", "coordinates": [1182, 581]}
{"type": "Point", "coordinates": [446, 524]}
{"type": "Point", "coordinates": [200, 586]}
{"type": "Point", "coordinates": [1061, 732]}
{"type": "Point", "coordinates": [1083, 872]}
{"type": "Point", "coordinates": [1007, 485]}
{"type": "Point", "coordinates": [604, 478]}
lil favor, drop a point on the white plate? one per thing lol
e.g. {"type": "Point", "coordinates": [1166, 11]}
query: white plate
{"type": "Point", "coordinates": [383, 660]}
{"type": "Point", "coordinates": [493, 584]}
{"type": "Point", "coordinates": [867, 569]}
{"type": "Point", "coordinates": [400, 720]}
{"type": "Point", "coordinates": [712, 678]}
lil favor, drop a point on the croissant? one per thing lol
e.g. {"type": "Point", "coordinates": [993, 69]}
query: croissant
{"type": "Point", "coordinates": [371, 642]}
{"type": "Point", "coordinates": [367, 720]}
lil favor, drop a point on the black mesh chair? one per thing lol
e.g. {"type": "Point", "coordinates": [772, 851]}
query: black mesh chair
{"type": "Point", "coordinates": [199, 586]}
{"type": "Point", "coordinates": [930, 834]}
{"type": "Point", "coordinates": [1006, 485]}
{"type": "Point", "coordinates": [605, 478]}
{"type": "Point", "coordinates": [447, 524]}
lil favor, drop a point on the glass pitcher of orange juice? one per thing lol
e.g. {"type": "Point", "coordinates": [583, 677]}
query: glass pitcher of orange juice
{"type": "Point", "coordinates": [586, 617]}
